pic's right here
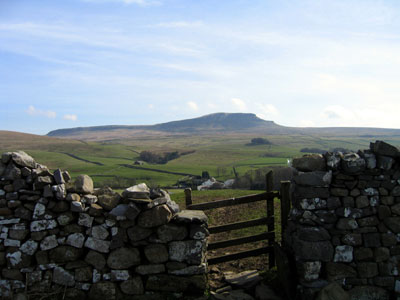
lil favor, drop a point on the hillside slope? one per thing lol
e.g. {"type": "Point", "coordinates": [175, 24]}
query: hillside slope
{"type": "Point", "coordinates": [218, 123]}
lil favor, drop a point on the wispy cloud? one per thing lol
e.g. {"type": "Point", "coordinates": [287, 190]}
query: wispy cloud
{"type": "Point", "coordinates": [43, 113]}
{"type": "Point", "coordinates": [192, 105]}
{"type": "Point", "coordinates": [70, 117]}
{"type": "Point", "coordinates": [239, 104]}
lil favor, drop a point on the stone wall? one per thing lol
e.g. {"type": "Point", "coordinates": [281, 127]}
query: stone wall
{"type": "Point", "coordinates": [59, 236]}
{"type": "Point", "coordinates": [344, 227]}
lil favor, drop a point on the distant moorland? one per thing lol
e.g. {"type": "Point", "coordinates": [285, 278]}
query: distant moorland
{"type": "Point", "coordinates": [218, 143]}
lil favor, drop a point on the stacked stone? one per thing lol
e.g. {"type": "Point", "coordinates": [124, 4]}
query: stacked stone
{"type": "Point", "coordinates": [58, 235]}
{"type": "Point", "coordinates": [345, 223]}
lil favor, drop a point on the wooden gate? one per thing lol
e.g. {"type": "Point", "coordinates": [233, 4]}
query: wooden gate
{"type": "Point", "coordinates": [269, 235]}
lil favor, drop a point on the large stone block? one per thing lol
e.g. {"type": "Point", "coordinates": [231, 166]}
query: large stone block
{"type": "Point", "coordinates": [316, 178]}
{"type": "Point", "coordinates": [382, 148]}
{"type": "Point", "coordinates": [313, 251]}
{"type": "Point", "coordinates": [22, 159]}
{"type": "Point", "coordinates": [123, 258]}
{"type": "Point", "coordinates": [352, 163]}
{"type": "Point", "coordinates": [154, 217]}
{"type": "Point", "coordinates": [84, 184]}
{"type": "Point", "coordinates": [191, 251]}
{"type": "Point", "coordinates": [312, 162]}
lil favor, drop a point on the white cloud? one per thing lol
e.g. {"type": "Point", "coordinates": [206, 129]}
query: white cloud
{"type": "Point", "coordinates": [38, 112]}
{"type": "Point", "coordinates": [150, 106]}
{"type": "Point", "coordinates": [192, 105]}
{"type": "Point", "coordinates": [70, 117]}
{"type": "Point", "coordinates": [266, 111]}
{"type": "Point", "coordinates": [239, 104]}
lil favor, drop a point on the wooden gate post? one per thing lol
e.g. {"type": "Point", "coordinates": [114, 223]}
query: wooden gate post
{"type": "Point", "coordinates": [285, 204]}
{"type": "Point", "coordinates": [188, 197]}
{"type": "Point", "coordinates": [269, 181]}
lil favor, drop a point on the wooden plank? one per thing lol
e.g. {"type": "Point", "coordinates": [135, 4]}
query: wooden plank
{"type": "Point", "coordinates": [239, 255]}
{"type": "Point", "coordinates": [233, 201]}
{"type": "Point", "coordinates": [188, 197]}
{"type": "Point", "coordinates": [242, 240]}
{"type": "Point", "coordinates": [285, 204]}
{"type": "Point", "coordinates": [240, 225]}
{"type": "Point", "coordinates": [269, 182]}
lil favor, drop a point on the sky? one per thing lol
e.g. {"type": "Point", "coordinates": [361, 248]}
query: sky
{"type": "Point", "coordinates": [313, 63]}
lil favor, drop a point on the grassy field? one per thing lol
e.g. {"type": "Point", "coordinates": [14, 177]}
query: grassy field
{"type": "Point", "coordinates": [217, 154]}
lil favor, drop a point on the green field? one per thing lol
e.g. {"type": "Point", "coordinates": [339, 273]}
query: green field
{"type": "Point", "coordinates": [217, 154]}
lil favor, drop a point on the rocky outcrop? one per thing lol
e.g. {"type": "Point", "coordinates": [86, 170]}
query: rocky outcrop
{"type": "Point", "coordinates": [56, 234]}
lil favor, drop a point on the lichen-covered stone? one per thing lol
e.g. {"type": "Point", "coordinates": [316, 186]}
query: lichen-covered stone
{"type": "Point", "coordinates": [308, 163]}
{"type": "Point", "coordinates": [156, 253]}
{"type": "Point", "coordinates": [190, 251]}
{"type": "Point", "coordinates": [171, 232]}
{"type": "Point", "coordinates": [154, 217]}
{"type": "Point", "coordinates": [84, 184]}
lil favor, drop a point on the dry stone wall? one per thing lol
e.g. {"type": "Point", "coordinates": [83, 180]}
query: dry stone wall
{"type": "Point", "coordinates": [58, 235]}
{"type": "Point", "coordinates": [344, 226]}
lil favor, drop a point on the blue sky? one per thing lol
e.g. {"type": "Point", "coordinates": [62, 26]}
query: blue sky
{"type": "Point", "coordinates": [299, 63]}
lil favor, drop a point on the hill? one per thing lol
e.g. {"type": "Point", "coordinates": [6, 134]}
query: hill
{"type": "Point", "coordinates": [214, 124]}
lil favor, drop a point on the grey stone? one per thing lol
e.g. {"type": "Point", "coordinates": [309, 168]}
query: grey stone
{"type": "Point", "coordinates": [58, 177]}
{"type": "Point", "coordinates": [139, 191]}
{"type": "Point", "coordinates": [156, 253]}
{"type": "Point", "coordinates": [370, 160]}
{"type": "Point", "coordinates": [12, 172]}
{"type": "Point", "coordinates": [133, 286]}
{"type": "Point", "coordinates": [385, 162]}
{"type": "Point", "coordinates": [309, 270]}
{"type": "Point", "coordinates": [150, 269]}
{"type": "Point", "coordinates": [312, 204]}
{"type": "Point", "coordinates": [83, 274]}
{"type": "Point", "coordinates": [29, 247]}
{"type": "Point", "coordinates": [119, 275]}
{"type": "Point", "coordinates": [171, 232]}
{"type": "Point", "coordinates": [60, 191]}
{"type": "Point", "coordinates": [361, 254]}
{"type": "Point", "coordinates": [108, 201]}
{"type": "Point", "coordinates": [367, 269]}
{"type": "Point", "coordinates": [393, 223]}
{"type": "Point", "coordinates": [190, 270]}
{"type": "Point", "coordinates": [65, 218]}
{"type": "Point", "coordinates": [316, 178]}
{"type": "Point", "coordinates": [339, 271]}
{"type": "Point", "coordinates": [39, 211]}
{"type": "Point", "coordinates": [381, 254]}
{"type": "Point", "coordinates": [198, 232]}
{"type": "Point", "coordinates": [76, 240]}
{"type": "Point", "coordinates": [48, 243]}
{"type": "Point", "coordinates": [347, 224]}
{"type": "Point", "coordinates": [63, 277]}
{"type": "Point", "coordinates": [103, 290]}
{"type": "Point", "coordinates": [382, 148]}
{"type": "Point", "coordinates": [352, 163]}
{"type": "Point", "coordinates": [84, 184]}
{"type": "Point", "coordinates": [191, 216]}
{"type": "Point", "coordinates": [123, 258]}
{"type": "Point", "coordinates": [190, 251]}
{"type": "Point", "coordinates": [22, 159]}
{"type": "Point", "coordinates": [312, 162]}
{"type": "Point", "coordinates": [95, 259]}
{"type": "Point", "coordinates": [395, 209]}
{"type": "Point", "coordinates": [343, 253]}
{"type": "Point", "coordinates": [77, 206]}
{"type": "Point", "coordinates": [352, 239]}
{"type": "Point", "coordinates": [99, 232]}
{"type": "Point", "coordinates": [97, 245]}
{"type": "Point", "coordinates": [372, 240]}
{"type": "Point", "coordinates": [85, 220]}
{"type": "Point", "coordinates": [63, 254]}
{"type": "Point", "coordinates": [313, 234]}
{"type": "Point", "coordinates": [155, 217]}
{"type": "Point", "coordinates": [137, 233]}
{"type": "Point", "coordinates": [311, 192]}
{"type": "Point", "coordinates": [42, 225]}
{"type": "Point", "coordinates": [333, 160]}
{"type": "Point", "coordinates": [368, 293]}
{"type": "Point", "coordinates": [73, 197]}
{"type": "Point", "coordinates": [333, 291]}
